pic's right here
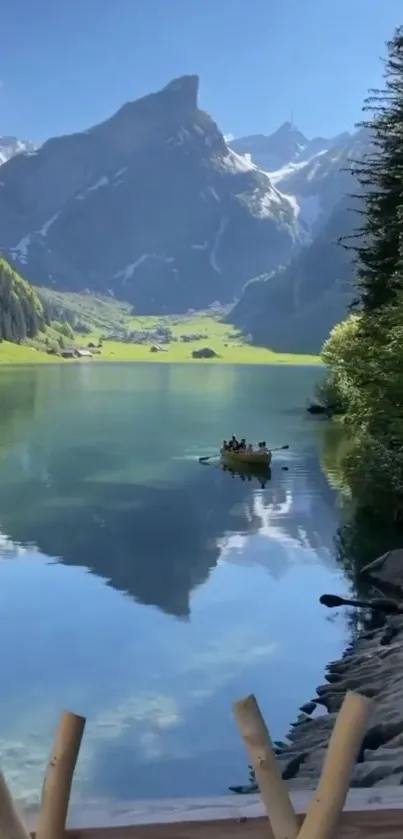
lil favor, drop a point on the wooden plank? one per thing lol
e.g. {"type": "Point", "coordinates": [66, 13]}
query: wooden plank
{"type": "Point", "coordinates": [353, 825]}
{"type": "Point", "coordinates": [98, 814]}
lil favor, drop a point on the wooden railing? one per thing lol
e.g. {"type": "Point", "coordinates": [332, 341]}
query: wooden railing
{"type": "Point", "coordinates": [322, 813]}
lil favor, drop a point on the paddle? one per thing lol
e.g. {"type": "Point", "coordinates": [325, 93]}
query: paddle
{"type": "Point", "coordinates": [215, 456]}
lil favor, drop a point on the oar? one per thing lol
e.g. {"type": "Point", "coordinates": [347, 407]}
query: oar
{"type": "Point", "coordinates": [214, 456]}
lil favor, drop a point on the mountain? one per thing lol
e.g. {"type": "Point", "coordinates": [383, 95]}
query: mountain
{"type": "Point", "coordinates": [294, 309]}
{"type": "Point", "coordinates": [151, 206]}
{"type": "Point", "coordinates": [316, 173]}
{"type": "Point", "coordinates": [284, 146]}
{"type": "Point", "coordinates": [10, 146]}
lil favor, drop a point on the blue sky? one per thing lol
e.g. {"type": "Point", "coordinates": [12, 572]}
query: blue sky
{"type": "Point", "coordinates": [67, 64]}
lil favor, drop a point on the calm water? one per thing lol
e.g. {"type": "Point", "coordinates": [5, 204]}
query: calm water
{"type": "Point", "coordinates": [148, 592]}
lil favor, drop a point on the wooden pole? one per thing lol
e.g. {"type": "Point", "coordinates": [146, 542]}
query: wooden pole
{"type": "Point", "coordinates": [273, 791]}
{"type": "Point", "coordinates": [11, 824]}
{"type": "Point", "coordinates": [325, 810]}
{"type": "Point", "coordinates": [59, 776]}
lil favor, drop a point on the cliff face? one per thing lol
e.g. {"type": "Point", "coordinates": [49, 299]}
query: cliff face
{"type": "Point", "coordinates": [294, 309]}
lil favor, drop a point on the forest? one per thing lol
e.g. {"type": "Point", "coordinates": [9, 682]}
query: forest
{"type": "Point", "coordinates": [21, 311]}
{"type": "Point", "coordinates": [364, 353]}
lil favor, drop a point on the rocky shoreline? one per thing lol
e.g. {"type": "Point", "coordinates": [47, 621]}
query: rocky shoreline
{"type": "Point", "coordinates": [371, 665]}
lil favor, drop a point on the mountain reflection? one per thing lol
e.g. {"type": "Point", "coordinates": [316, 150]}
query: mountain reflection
{"type": "Point", "coordinates": [158, 542]}
{"type": "Point", "coordinates": [94, 473]}
{"type": "Point", "coordinates": [155, 543]}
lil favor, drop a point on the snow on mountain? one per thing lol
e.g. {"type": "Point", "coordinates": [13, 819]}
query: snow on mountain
{"type": "Point", "coordinates": [123, 205]}
{"type": "Point", "coordinates": [10, 146]}
{"type": "Point", "coordinates": [314, 172]}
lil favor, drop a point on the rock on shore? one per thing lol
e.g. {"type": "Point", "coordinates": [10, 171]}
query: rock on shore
{"type": "Point", "coordinates": [373, 666]}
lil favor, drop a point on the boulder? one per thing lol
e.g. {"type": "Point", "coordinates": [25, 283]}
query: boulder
{"type": "Point", "coordinates": [387, 570]}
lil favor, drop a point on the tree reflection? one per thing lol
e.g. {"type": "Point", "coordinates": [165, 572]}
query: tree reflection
{"type": "Point", "coordinates": [360, 537]}
{"type": "Point", "coordinates": [17, 406]}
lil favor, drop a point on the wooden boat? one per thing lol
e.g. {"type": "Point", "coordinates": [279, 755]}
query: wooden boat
{"type": "Point", "coordinates": [254, 458]}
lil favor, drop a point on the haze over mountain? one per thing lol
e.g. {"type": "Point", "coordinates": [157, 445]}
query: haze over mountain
{"type": "Point", "coordinates": [315, 172]}
{"type": "Point", "coordinates": [154, 207]}
{"type": "Point", "coordinates": [150, 205]}
{"type": "Point", "coordinates": [286, 145]}
{"type": "Point", "coordinates": [294, 308]}
{"type": "Point", "coordinates": [10, 146]}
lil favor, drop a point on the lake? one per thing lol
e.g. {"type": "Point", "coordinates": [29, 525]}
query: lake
{"type": "Point", "coordinates": [146, 591]}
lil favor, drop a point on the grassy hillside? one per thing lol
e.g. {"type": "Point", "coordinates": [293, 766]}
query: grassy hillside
{"type": "Point", "coordinates": [79, 320]}
{"type": "Point", "coordinates": [223, 338]}
{"type": "Point", "coordinates": [85, 312]}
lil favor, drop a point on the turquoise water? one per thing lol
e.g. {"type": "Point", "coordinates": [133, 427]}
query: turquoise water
{"type": "Point", "coordinates": [146, 591]}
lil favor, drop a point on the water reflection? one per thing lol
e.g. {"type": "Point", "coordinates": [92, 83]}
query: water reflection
{"type": "Point", "coordinates": [155, 543]}
{"type": "Point", "coordinates": [146, 591]}
{"type": "Point", "coordinates": [360, 537]}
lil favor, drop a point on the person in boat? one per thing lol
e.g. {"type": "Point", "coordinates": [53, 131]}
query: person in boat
{"type": "Point", "coordinates": [233, 444]}
{"type": "Point", "coordinates": [250, 448]}
{"type": "Point", "coordinates": [225, 445]}
{"type": "Point", "coordinates": [263, 448]}
{"type": "Point", "coordinates": [242, 445]}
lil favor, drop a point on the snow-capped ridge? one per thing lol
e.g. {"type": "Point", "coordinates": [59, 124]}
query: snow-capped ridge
{"type": "Point", "coordinates": [11, 146]}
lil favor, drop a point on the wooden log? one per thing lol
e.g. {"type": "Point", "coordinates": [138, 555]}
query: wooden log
{"type": "Point", "coordinates": [273, 791]}
{"type": "Point", "coordinates": [325, 810]}
{"type": "Point", "coordinates": [11, 824]}
{"type": "Point", "coordinates": [59, 776]}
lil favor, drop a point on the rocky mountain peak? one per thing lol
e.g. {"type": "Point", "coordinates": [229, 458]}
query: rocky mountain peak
{"type": "Point", "coordinates": [185, 89]}
{"type": "Point", "coordinates": [143, 201]}
{"type": "Point", "coordinates": [289, 130]}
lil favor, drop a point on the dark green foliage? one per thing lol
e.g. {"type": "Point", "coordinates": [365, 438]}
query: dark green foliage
{"type": "Point", "coordinates": [379, 240]}
{"type": "Point", "coordinates": [21, 312]}
{"type": "Point", "coordinates": [365, 353]}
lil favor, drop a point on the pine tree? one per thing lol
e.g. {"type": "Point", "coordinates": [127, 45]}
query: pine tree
{"type": "Point", "coordinates": [21, 312]}
{"type": "Point", "coordinates": [380, 175]}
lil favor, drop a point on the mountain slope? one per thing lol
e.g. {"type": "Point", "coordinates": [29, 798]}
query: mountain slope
{"type": "Point", "coordinates": [293, 310]}
{"type": "Point", "coordinates": [10, 146]}
{"type": "Point", "coordinates": [319, 182]}
{"type": "Point", "coordinates": [316, 173]}
{"type": "Point", "coordinates": [282, 147]}
{"type": "Point", "coordinates": [150, 205]}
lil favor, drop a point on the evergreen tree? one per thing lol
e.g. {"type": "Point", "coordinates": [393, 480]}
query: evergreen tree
{"type": "Point", "coordinates": [380, 174]}
{"type": "Point", "coordinates": [21, 312]}
{"type": "Point", "coordinates": [365, 354]}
